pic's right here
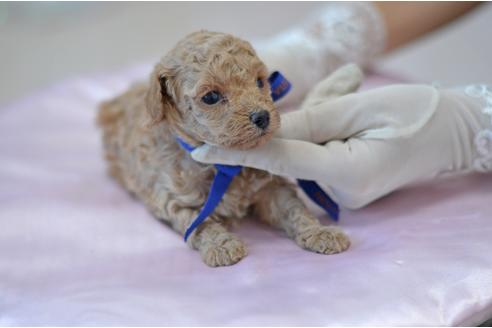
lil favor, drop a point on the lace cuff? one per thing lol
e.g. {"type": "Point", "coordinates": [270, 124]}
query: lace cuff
{"type": "Point", "coordinates": [483, 138]}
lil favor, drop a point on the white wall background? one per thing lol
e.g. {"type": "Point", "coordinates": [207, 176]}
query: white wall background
{"type": "Point", "coordinates": [42, 43]}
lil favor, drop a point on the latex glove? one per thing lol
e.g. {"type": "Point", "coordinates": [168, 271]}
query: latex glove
{"type": "Point", "coordinates": [362, 146]}
{"type": "Point", "coordinates": [339, 33]}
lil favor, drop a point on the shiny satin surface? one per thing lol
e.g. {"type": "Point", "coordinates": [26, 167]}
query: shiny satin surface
{"type": "Point", "coordinates": [76, 249]}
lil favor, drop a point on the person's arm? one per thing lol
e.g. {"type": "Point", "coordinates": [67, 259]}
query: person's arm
{"type": "Point", "coordinates": [406, 21]}
{"type": "Point", "coordinates": [349, 32]}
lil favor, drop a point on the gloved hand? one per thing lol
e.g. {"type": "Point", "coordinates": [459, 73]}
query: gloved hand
{"type": "Point", "coordinates": [364, 145]}
{"type": "Point", "coordinates": [339, 33]}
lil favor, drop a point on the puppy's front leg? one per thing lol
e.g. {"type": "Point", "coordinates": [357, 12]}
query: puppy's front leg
{"type": "Point", "coordinates": [217, 246]}
{"type": "Point", "coordinates": [278, 205]}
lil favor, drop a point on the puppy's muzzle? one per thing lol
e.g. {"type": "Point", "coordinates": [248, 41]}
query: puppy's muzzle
{"type": "Point", "coordinates": [261, 119]}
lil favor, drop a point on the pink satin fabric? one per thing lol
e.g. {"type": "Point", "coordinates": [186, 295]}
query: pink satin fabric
{"type": "Point", "coordinates": [76, 249]}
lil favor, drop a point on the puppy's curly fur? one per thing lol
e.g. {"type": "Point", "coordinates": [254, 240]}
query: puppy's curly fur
{"type": "Point", "coordinates": [140, 127]}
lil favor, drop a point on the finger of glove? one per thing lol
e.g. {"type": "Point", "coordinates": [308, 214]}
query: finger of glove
{"type": "Point", "coordinates": [344, 80]}
{"type": "Point", "coordinates": [275, 156]}
{"type": "Point", "coordinates": [337, 119]}
{"type": "Point", "coordinates": [386, 112]}
{"type": "Point", "coordinates": [336, 163]}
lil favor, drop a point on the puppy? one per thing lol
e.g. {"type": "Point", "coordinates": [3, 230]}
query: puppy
{"type": "Point", "coordinates": [211, 88]}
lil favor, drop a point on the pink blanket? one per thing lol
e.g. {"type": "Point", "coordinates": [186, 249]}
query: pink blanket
{"type": "Point", "coordinates": [76, 249]}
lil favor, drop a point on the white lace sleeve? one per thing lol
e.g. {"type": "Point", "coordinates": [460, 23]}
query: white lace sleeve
{"type": "Point", "coordinates": [339, 34]}
{"type": "Point", "coordinates": [483, 138]}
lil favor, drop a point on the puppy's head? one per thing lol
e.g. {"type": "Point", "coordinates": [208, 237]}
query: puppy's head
{"type": "Point", "coordinates": [212, 88]}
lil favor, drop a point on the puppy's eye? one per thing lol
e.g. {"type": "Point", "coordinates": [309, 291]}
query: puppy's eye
{"type": "Point", "coordinates": [259, 83]}
{"type": "Point", "coordinates": [212, 97]}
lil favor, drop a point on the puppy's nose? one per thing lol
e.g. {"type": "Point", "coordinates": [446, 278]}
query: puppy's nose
{"type": "Point", "coordinates": [261, 119]}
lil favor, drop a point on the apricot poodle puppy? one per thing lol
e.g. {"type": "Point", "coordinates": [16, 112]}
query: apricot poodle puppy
{"type": "Point", "coordinates": [211, 88]}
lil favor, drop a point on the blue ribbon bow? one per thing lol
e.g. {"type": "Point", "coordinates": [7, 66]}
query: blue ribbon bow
{"type": "Point", "coordinates": [226, 173]}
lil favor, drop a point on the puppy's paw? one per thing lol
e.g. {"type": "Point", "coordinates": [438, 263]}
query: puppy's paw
{"type": "Point", "coordinates": [226, 251]}
{"type": "Point", "coordinates": [323, 239]}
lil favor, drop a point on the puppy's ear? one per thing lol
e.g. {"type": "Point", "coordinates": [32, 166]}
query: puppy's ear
{"type": "Point", "coordinates": [159, 98]}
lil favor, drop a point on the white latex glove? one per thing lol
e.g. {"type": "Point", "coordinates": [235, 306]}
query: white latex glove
{"type": "Point", "coordinates": [362, 146]}
{"type": "Point", "coordinates": [339, 33]}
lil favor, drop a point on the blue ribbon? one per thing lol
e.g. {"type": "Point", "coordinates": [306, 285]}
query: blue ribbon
{"type": "Point", "coordinates": [226, 173]}
{"type": "Point", "coordinates": [223, 178]}
{"type": "Point", "coordinates": [279, 85]}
